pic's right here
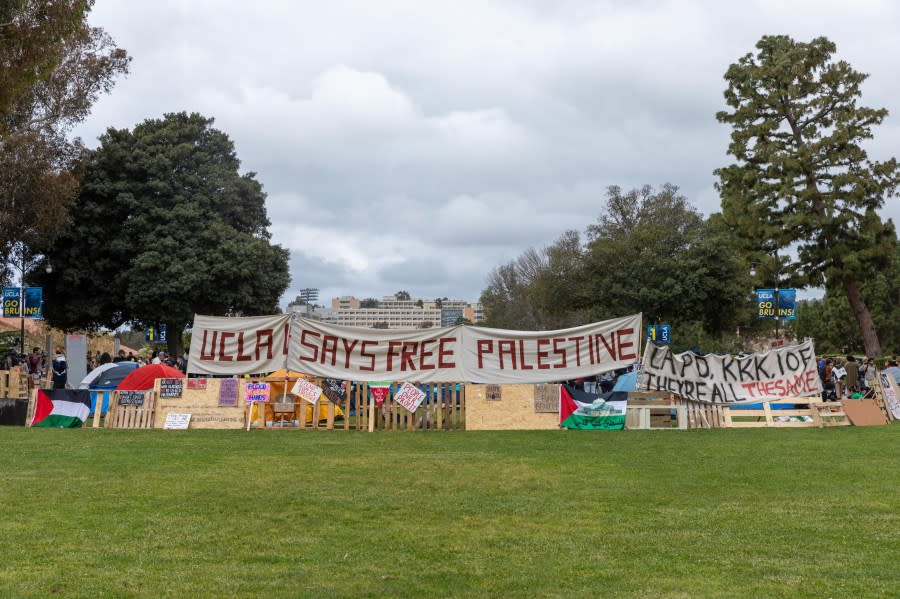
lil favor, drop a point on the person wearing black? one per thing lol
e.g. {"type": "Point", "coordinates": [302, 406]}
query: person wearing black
{"type": "Point", "coordinates": [60, 370]}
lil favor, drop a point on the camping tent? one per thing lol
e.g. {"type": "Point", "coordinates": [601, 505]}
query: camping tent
{"type": "Point", "coordinates": [143, 378]}
{"type": "Point", "coordinates": [281, 392]}
{"type": "Point", "coordinates": [107, 375]}
{"type": "Point", "coordinates": [105, 378]}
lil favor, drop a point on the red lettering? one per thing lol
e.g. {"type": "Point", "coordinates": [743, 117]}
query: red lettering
{"type": "Point", "coordinates": [222, 339]}
{"type": "Point", "coordinates": [240, 353]}
{"type": "Point", "coordinates": [522, 363]}
{"type": "Point", "coordinates": [485, 346]}
{"type": "Point", "coordinates": [559, 352]}
{"type": "Point", "coordinates": [315, 349]}
{"type": "Point", "coordinates": [212, 347]}
{"type": "Point", "coordinates": [392, 353]}
{"type": "Point", "coordinates": [542, 354]}
{"type": "Point", "coordinates": [426, 354]}
{"type": "Point", "coordinates": [577, 341]}
{"type": "Point", "coordinates": [364, 354]}
{"type": "Point", "coordinates": [610, 349]}
{"type": "Point", "coordinates": [591, 349]}
{"type": "Point", "coordinates": [285, 350]}
{"type": "Point", "coordinates": [410, 349]}
{"type": "Point", "coordinates": [625, 344]}
{"type": "Point", "coordinates": [348, 350]}
{"type": "Point", "coordinates": [507, 347]}
{"type": "Point", "coordinates": [443, 353]}
{"type": "Point", "coordinates": [269, 335]}
{"type": "Point", "coordinates": [329, 346]}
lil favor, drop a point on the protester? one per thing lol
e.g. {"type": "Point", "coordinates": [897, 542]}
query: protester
{"type": "Point", "coordinates": [851, 382]}
{"type": "Point", "coordinates": [121, 357]}
{"type": "Point", "coordinates": [60, 369]}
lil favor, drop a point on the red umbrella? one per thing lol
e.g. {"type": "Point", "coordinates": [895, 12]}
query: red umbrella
{"type": "Point", "coordinates": [143, 378]}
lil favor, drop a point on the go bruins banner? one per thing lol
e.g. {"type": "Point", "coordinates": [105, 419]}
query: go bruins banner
{"type": "Point", "coordinates": [789, 371]}
{"type": "Point", "coordinates": [460, 353]}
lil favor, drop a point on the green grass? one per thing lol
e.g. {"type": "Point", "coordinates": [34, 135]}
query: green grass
{"type": "Point", "coordinates": [723, 513]}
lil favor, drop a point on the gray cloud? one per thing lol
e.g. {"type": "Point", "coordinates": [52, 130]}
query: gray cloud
{"type": "Point", "coordinates": [415, 149]}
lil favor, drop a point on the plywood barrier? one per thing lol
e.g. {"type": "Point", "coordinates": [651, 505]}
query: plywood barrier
{"type": "Point", "coordinates": [512, 407]}
{"type": "Point", "coordinates": [204, 401]}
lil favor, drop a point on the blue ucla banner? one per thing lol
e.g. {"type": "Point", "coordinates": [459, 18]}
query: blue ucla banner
{"type": "Point", "coordinates": [787, 304]}
{"type": "Point", "coordinates": [34, 302]}
{"type": "Point", "coordinates": [776, 303]}
{"type": "Point", "coordinates": [765, 303]}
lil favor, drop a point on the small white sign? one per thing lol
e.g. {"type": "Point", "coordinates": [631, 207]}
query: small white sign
{"type": "Point", "coordinates": [176, 421]}
{"type": "Point", "coordinates": [410, 397]}
{"type": "Point", "coordinates": [307, 391]}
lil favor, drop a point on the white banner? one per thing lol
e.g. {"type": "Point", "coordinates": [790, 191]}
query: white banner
{"type": "Point", "coordinates": [462, 353]}
{"type": "Point", "coordinates": [788, 371]}
{"type": "Point", "coordinates": [245, 345]}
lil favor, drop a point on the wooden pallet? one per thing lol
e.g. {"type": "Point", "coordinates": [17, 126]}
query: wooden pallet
{"type": "Point", "coordinates": [815, 414]}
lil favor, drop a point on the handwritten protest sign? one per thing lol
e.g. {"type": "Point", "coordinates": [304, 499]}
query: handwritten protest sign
{"type": "Point", "coordinates": [228, 392]}
{"type": "Point", "coordinates": [131, 398]}
{"type": "Point", "coordinates": [256, 392]}
{"type": "Point", "coordinates": [306, 390]}
{"type": "Point", "coordinates": [789, 371]}
{"type": "Point", "coordinates": [171, 388]}
{"type": "Point", "coordinates": [410, 397]}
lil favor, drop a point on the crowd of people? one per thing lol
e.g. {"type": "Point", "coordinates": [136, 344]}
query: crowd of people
{"type": "Point", "coordinates": [848, 378]}
{"type": "Point", "coordinates": [37, 365]}
{"type": "Point", "coordinates": [161, 357]}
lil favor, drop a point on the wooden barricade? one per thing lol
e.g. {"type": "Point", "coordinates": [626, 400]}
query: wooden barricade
{"type": "Point", "coordinates": [444, 408]}
{"type": "Point", "coordinates": [13, 384]}
{"type": "Point", "coordinates": [649, 411]}
{"type": "Point", "coordinates": [814, 414]}
{"type": "Point", "coordinates": [129, 416]}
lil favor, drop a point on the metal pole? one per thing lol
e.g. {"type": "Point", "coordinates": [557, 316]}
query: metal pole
{"type": "Point", "coordinates": [22, 307]}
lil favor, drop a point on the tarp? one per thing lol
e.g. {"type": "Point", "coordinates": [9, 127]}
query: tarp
{"type": "Point", "coordinates": [236, 346]}
{"type": "Point", "coordinates": [143, 378]}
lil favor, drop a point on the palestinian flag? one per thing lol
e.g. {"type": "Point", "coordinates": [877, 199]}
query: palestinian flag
{"type": "Point", "coordinates": [580, 410]}
{"type": "Point", "coordinates": [379, 391]}
{"type": "Point", "coordinates": [61, 408]}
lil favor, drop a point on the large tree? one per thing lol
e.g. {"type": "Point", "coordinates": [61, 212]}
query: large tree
{"type": "Point", "coordinates": [165, 227]}
{"type": "Point", "coordinates": [802, 184]}
{"type": "Point", "coordinates": [53, 67]}
{"type": "Point", "coordinates": [653, 251]}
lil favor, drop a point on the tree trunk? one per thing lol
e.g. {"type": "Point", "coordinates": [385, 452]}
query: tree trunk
{"type": "Point", "coordinates": [864, 318]}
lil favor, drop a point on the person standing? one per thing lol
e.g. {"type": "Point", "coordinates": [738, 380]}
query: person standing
{"type": "Point", "coordinates": [851, 382]}
{"type": "Point", "coordinates": [60, 369]}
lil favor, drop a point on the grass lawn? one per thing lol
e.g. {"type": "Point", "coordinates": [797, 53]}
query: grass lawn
{"type": "Point", "coordinates": [722, 513]}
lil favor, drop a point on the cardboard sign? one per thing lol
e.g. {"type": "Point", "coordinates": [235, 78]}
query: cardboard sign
{"type": "Point", "coordinates": [175, 421]}
{"type": "Point", "coordinates": [546, 399]}
{"type": "Point", "coordinates": [171, 388]}
{"type": "Point", "coordinates": [306, 390]}
{"type": "Point", "coordinates": [228, 393]}
{"type": "Point", "coordinates": [198, 384]}
{"type": "Point", "coordinates": [131, 398]}
{"type": "Point", "coordinates": [257, 392]}
{"type": "Point", "coordinates": [410, 397]}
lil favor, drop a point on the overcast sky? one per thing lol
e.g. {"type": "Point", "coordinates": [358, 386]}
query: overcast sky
{"type": "Point", "coordinates": [417, 145]}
